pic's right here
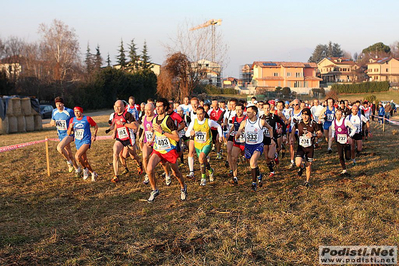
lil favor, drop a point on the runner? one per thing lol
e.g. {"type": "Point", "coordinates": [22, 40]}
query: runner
{"type": "Point", "coordinates": [305, 152]}
{"type": "Point", "coordinates": [366, 111]}
{"type": "Point", "coordinates": [200, 130]}
{"type": "Point", "coordinates": [341, 133]}
{"type": "Point", "coordinates": [60, 118]}
{"type": "Point", "coordinates": [147, 136]}
{"type": "Point", "coordinates": [253, 141]}
{"type": "Point", "coordinates": [133, 108]}
{"type": "Point", "coordinates": [344, 109]}
{"type": "Point", "coordinates": [327, 115]}
{"type": "Point", "coordinates": [281, 131]}
{"type": "Point", "coordinates": [238, 144]}
{"type": "Point", "coordinates": [165, 141]}
{"type": "Point", "coordinates": [228, 124]}
{"type": "Point", "coordinates": [296, 117]}
{"type": "Point", "coordinates": [80, 127]}
{"type": "Point", "coordinates": [122, 122]}
{"type": "Point", "coordinates": [191, 149]}
{"type": "Point", "coordinates": [215, 114]}
{"type": "Point", "coordinates": [356, 119]}
{"type": "Point", "coordinates": [269, 138]}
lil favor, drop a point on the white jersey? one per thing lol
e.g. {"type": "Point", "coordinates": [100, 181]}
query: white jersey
{"type": "Point", "coordinates": [367, 111]}
{"type": "Point", "coordinates": [287, 113]}
{"type": "Point", "coordinates": [253, 132]}
{"type": "Point", "coordinates": [295, 118]}
{"type": "Point", "coordinates": [316, 112]}
{"type": "Point", "coordinates": [229, 116]}
{"type": "Point", "coordinates": [357, 121]}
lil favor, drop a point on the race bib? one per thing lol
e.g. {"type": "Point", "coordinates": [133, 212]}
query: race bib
{"type": "Point", "coordinates": [61, 124]}
{"type": "Point", "coordinates": [342, 138]}
{"type": "Point", "coordinates": [305, 141]}
{"type": "Point", "coordinates": [241, 138]}
{"type": "Point", "coordinates": [149, 135]}
{"type": "Point", "coordinates": [200, 137]}
{"type": "Point", "coordinates": [266, 132]}
{"type": "Point", "coordinates": [330, 117]}
{"type": "Point", "coordinates": [252, 137]}
{"type": "Point", "coordinates": [79, 134]}
{"type": "Point", "coordinates": [163, 143]}
{"type": "Point", "coordinates": [122, 133]}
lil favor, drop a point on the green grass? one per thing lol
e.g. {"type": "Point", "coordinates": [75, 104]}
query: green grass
{"type": "Point", "coordinates": [68, 221]}
{"type": "Point", "coordinates": [381, 96]}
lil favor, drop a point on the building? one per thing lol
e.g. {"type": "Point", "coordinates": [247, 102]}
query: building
{"type": "Point", "coordinates": [383, 69]}
{"type": "Point", "coordinates": [338, 69]}
{"type": "Point", "coordinates": [156, 68]}
{"type": "Point", "coordinates": [12, 66]}
{"type": "Point", "coordinates": [299, 77]}
{"type": "Point", "coordinates": [230, 82]}
{"type": "Point", "coordinates": [210, 72]}
{"type": "Point", "coordinates": [245, 75]}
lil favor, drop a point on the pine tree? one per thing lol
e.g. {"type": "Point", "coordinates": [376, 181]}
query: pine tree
{"type": "Point", "coordinates": [108, 61]}
{"type": "Point", "coordinates": [98, 60]}
{"type": "Point", "coordinates": [134, 57]}
{"type": "Point", "coordinates": [146, 63]}
{"type": "Point", "coordinates": [89, 60]}
{"type": "Point", "coordinates": [121, 57]}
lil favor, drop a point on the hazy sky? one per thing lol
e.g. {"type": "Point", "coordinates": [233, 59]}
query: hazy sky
{"type": "Point", "coordinates": [281, 30]}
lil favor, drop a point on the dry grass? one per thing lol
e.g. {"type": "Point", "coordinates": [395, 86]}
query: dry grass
{"type": "Point", "coordinates": [63, 220]}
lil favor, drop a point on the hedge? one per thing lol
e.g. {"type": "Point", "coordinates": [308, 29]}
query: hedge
{"type": "Point", "coordinates": [374, 86]}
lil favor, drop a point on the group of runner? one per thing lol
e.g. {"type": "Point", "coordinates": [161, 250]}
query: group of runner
{"type": "Point", "coordinates": [164, 129]}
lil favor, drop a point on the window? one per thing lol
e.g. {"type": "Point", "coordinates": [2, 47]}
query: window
{"type": "Point", "coordinates": [387, 70]}
{"type": "Point", "coordinates": [289, 74]}
{"type": "Point", "coordinates": [297, 84]}
{"type": "Point", "coordinates": [275, 74]}
{"type": "Point", "coordinates": [289, 84]}
{"type": "Point", "coordinates": [298, 74]}
{"type": "Point", "coordinates": [376, 77]}
{"type": "Point", "coordinates": [375, 69]}
{"type": "Point", "coordinates": [306, 84]}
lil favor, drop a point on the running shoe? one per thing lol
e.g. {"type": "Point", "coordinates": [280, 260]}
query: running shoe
{"type": "Point", "coordinates": [218, 156]}
{"type": "Point", "coordinates": [226, 164]}
{"type": "Point", "coordinates": [276, 161]}
{"type": "Point", "coordinates": [78, 172]}
{"type": "Point", "coordinates": [146, 180]}
{"type": "Point", "coordinates": [300, 171]}
{"type": "Point", "coordinates": [260, 180]}
{"type": "Point", "coordinates": [85, 173]}
{"type": "Point", "coordinates": [329, 150]}
{"type": "Point", "coordinates": [190, 175]}
{"type": "Point", "coordinates": [231, 173]}
{"type": "Point", "coordinates": [168, 180]}
{"type": "Point", "coordinates": [94, 176]}
{"type": "Point", "coordinates": [115, 179]}
{"type": "Point", "coordinates": [125, 171]}
{"type": "Point", "coordinates": [70, 167]}
{"type": "Point", "coordinates": [203, 182]}
{"type": "Point", "coordinates": [254, 186]}
{"type": "Point", "coordinates": [307, 184]}
{"type": "Point", "coordinates": [343, 172]}
{"type": "Point", "coordinates": [183, 193]}
{"type": "Point", "coordinates": [211, 177]}
{"type": "Point", "coordinates": [353, 163]}
{"type": "Point", "coordinates": [153, 195]}
{"type": "Point", "coordinates": [271, 174]}
{"type": "Point", "coordinates": [292, 165]}
{"type": "Point", "coordinates": [181, 164]}
{"type": "Point", "coordinates": [235, 180]}
{"type": "Point", "coordinates": [140, 168]}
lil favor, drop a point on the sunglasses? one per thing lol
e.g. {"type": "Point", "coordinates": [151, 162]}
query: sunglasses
{"type": "Point", "coordinates": [295, 104]}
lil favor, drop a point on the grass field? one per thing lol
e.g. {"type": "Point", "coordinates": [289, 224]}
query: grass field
{"type": "Point", "coordinates": [381, 96]}
{"type": "Point", "coordinates": [67, 221]}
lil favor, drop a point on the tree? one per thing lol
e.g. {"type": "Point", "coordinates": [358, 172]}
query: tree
{"type": "Point", "coordinates": [134, 57]}
{"type": "Point", "coordinates": [377, 50]}
{"type": "Point", "coordinates": [108, 61]}
{"type": "Point", "coordinates": [322, 50]}
{"type": "Point", "coordinates": [355, 56]}
{"type": "Point", "coordinates": [5, 85]}
{"type": "Point", "coordinates": [286, 91]}
{"type": "Point", "coordinates": [89, 60]}
{"type": "Point", "coordinates": [175, 80]}
{"type": "Point", "coordinates": [145, 58]}
{"type": "Point", "coordinates": [60, 49]}
{"type": "Point", "coordinates": [121, 57]}
{"type": "Point", "coordinates": [98, 60]}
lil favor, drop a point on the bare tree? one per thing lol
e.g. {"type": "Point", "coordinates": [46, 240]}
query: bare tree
{"type": "Point", "coordinates": [60, 49]}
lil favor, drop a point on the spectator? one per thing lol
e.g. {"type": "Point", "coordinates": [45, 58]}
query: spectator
{"type": "Point", "coordinates": [388, 110]}
{"type": "Point", "coordinates": [392, 107]}
{"type": "Point", "coordinates": [373, 109]}
{"type": "Point", "coordinates": [381, 113]}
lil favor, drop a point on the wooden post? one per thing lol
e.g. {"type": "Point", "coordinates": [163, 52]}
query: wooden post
{"type": "Point", "coordinates": [47, 158]}
{"type": "Point", "coordinates": [383, 124]}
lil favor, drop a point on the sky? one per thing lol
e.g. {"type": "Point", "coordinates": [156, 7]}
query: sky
{"type": "Point", "coordinates": [262, 30]}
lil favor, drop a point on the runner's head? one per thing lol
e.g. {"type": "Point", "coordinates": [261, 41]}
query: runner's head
{"type": "Point", "coordinates": [162, 106]}
{"type": "Point", "coordinates": [215, 104]}
{"type": "Point", "coordinates": [186, 100]}
{"type": "Point", "coordinates": [119, 107]}
{"type": "Point", "coordinates": [222, 104]}
{"type": "Point", "coordinates": [306, 114]}
{"type": "Point", "coordinates": [149, 109]}
{"type": "Point", "coordinates": [180, 111]}
{"type": "Point", "coordinates": [302, 105]}
{"type": "Point", "coordinates": [131, 100]}
{"type": "Point", "coordinates": [200, 113]}
{"type": "Point", "coordinates": [252, 111]}
{"type": "Point", "coordinates": [365, 104]}
{"type": "Point", "coordinates": [280, 105]}
{"type": "Point", "coordinates": [266, 108]}
{"type": "Point", "coordinates": [194, 103]}
{"type": "Point", "coordinates": [59, 103]}
{"type": "Point", "coordinates": [142, 106]}
{"type": "Point", "coordinates": [260, 105]}
{"type": "Point", "coordinates": [239, 109]}
{"type": "Point", "coordinates": [233, 103]}
{"type": "Point", "coordinates": [207, 107]}
{"type": "Point", "coordinates": [316, 102]}
{"type": "Point", "coordinates": [342, 103]}
{"type": "Point", "coordinates": [295, 103]}
{"type": "Point", "coordinates": [330, 102]}
{"type": "Point", "coordinates": [338, 114]}
{"type": "Point", "coordinates": [355, 109]}
{"type": "Point", "coordinates": [78, 111]}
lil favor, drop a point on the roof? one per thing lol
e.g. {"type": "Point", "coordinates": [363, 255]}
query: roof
{"type": "Point", "coordinates": [312, 78]}
{"type": "Point", "coordinates": [277, 64]}
{"type": "Point", "coordinates": [340, 61]}
{"type": "Point", "coordinates": [270, 78]}
{"type": "Point", "coordinates": [381, 60]}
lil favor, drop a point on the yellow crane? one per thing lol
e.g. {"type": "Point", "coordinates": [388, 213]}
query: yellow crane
{"type": "Point", "coordinates": [213, 23]}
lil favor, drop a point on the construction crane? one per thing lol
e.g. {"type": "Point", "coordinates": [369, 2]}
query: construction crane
{"type": "Point", "coordinates": [213, 23]}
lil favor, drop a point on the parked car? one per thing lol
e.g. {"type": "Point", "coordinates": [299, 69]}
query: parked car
{"type": "Point", "coordinates": [46, 111]}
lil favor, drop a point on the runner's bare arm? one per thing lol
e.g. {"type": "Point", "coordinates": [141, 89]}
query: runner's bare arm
{"type": "Point", "coordinates": [240, 129]}
{"type": "Point", "coordinates": [265, 124]}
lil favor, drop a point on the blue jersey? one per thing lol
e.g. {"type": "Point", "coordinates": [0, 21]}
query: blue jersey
{"type": "Point", "coordinates": [81, 129]}
{"type": "Point", "coordinates": [62, 119]}
{"type": "Point", "coordinates": [330, 115]}
{"type": "Point", "coordinates": [133, 110]}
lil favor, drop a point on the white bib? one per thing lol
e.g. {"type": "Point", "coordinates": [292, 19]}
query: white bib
{"type": "Point", "coordinates": [342, 138]}
{"type": "Point", "coordinates": [241, 138]}
{"type": "Point", "coordinates": [122, 133]}
{"type": "Point", "coordinates": [305, 141]}
{"type": "Point", "coordinates": [252, 137]}
{"type": "Point", "coordinates": [200, 137]}
{"type": "Point", "coordinates": [163, 143]}
{"type": "Point", "coordinates": [79, 134]}
{"type": "Point", "coordinates": [149, 135]}
{"type": "Point", "coordinates": [61, 124]}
